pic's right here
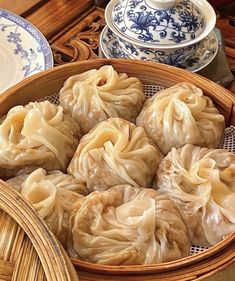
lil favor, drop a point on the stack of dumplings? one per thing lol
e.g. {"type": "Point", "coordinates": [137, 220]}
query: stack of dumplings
{"type": "Point", "coordinates": [120, 180]}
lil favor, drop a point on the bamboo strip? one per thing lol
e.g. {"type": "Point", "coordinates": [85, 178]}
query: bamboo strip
{"type": "Point", "coordinates": [47, 248]}
{"type": "Point", "coordinates": [28, 265]}
{"type": "Point", "coordinates": [11, 238]}
{"type": "Point", "coordinates": [223, 273]}
{"type": "Point", "coordinates": [6, 270]}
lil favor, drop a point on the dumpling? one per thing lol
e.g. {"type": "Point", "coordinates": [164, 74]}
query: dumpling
{"type": "Point", "coordinates": [36, 135]}
{"type": "Point", "coordinates": [201, 182]}
{"type": "Point", "coordinates": [127, 225]}
{"type": "Point", "coordinates": [115, 152]}
{"type": "Point", "coordinates": [59, 179]}
{"type": "Point", "coordinates": [179, 115]}
{"type": "Point", "coordinates": [96, 95]}
{"type": "Point", "coordinates": [52, 196]}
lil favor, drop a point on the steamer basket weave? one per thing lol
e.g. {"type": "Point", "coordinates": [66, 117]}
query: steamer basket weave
{"type": "Point", "coordinates": [28, 250]}
{"type": "Point", "coordinates": [218, 262]}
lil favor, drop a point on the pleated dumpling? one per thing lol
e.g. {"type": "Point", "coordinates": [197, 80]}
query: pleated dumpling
{"type": "Point", "coordinates": [58, 178]}
{"type": "Point", "coordinates": [52, 196]}
{"type": "Point", "coordinates": [115, 152]}
{"type": "Point", "coordinates": [127, 225]}
{"type": "Point", "coordinates": [36, 135]}
{"type": "Point", "coordinates": [179, 115]}
{"type": "Point", "coordinates": [96, 95]}
{"type": "Point", "coordinates": [201, 182]}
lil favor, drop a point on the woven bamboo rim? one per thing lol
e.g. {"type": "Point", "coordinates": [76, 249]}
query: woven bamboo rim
{"type": "Point", "coordinates": [53, 261]}
{"type": "Point", "coordinates": [189, 268]}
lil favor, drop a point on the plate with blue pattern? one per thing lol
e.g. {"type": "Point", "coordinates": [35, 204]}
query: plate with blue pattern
{"type": "Point", "coordinates": [205, 53]}
{"type": "Point", "coordinates": [24, 51]}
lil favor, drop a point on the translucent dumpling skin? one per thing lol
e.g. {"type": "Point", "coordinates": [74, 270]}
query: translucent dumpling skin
{"type": "Point", "coordinates": [96, 95]}
{"type": "Point", "coordinates": [115, 152]}
{"type": "Point", "coordinates": [59, 179]}
{"type": "Point", "coordinates": [201, 182]}
{"type": "Point", "coordinates": [36, 135]}
{"type": "Point", "coordinates": [127, 225]}
{"type": "Point", "coordinates": [52, 196]}
{"type": "Point", "coordinates": [179, 115]}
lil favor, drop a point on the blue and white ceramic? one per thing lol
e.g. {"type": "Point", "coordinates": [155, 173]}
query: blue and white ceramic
{"type": "Point", "coordinates": [160, 23]}
{"type": "Point", "coordinates": [24, 51]}
{"type": "Point", "coordinates": [202, 55]}
{"type": "Point", "coordinates": [173, 56]}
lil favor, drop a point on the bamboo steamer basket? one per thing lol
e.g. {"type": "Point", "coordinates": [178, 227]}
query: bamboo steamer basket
{"type": "Point", "coordinates": [28, 250]}
{"type": "Point", "coordinates": [218, 262]}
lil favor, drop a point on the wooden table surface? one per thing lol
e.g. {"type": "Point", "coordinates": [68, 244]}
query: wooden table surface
{"type": "Point", "coordinates": [72, 27]}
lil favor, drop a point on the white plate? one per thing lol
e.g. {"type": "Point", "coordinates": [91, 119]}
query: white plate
{"type": "Point", "coordinates": [204, 54]}
{"type": "Point", "coordinates": [24, 51]}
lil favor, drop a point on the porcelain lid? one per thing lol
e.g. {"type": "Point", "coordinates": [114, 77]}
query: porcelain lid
{"type": "Point", "coordinates": [157, 22]}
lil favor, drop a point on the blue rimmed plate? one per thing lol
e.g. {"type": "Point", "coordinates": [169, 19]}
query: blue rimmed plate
{"type": "Point", "coordinates": [24, 51]}
{"type": "Point", "coordinates": [206, 51]}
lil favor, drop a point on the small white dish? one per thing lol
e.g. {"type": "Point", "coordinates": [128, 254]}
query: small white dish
{"type": "Point", "coordinates": [24, 51]}
{"type": "Point", "coordinates": [204, 54]}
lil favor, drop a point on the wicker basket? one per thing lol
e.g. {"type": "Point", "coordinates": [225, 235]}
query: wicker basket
{"type": "Point", "coordinates": [218, 262]}
{"type": "Point", "coordinates": [28, 250]}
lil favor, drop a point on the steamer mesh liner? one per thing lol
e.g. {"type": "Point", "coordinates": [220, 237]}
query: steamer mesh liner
{"type": "Point", "coordinates": [150, 90]}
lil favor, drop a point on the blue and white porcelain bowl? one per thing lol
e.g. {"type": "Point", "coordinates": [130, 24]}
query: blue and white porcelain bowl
{"type": "Point", "coordinates": [160, 24]}
{"type": "Point", "coordinates": [165, 31]}
{"type": "Point", "coordinates": [174, 56]}
{"type": "Point", "coordinates": [203, 54]}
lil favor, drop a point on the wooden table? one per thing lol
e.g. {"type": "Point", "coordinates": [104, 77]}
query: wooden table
{"type": "Point", "coordinates": [72, 27]}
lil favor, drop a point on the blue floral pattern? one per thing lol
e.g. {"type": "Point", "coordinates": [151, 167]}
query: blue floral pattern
{"type": "Point", "coordinates": [197, 55]}
{"type": "Point", "coordinates": [12, 27]}
{"type": "Point", "coordinates": [143, 23]}
{"type": "Point", "coordinates": [14, 37]}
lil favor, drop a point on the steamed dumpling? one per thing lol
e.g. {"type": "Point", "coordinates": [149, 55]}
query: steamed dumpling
{"type": "Point", "coordinates": [59, 179]}
{"type": "Point", "coordinates": [96, 95]}
{"type": "Point", "coordinates": [52, 196]}
{"type": "Point", "coordinates": [115, 152]}
{"type": "Point", "coordinates": [127, 225]}
{"type": "Point", "coordinates": [179, 115]}
{"type": "Point", "coordinates": [201, 182]}
{"type": "Point", "coordinates": [36, 135]}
